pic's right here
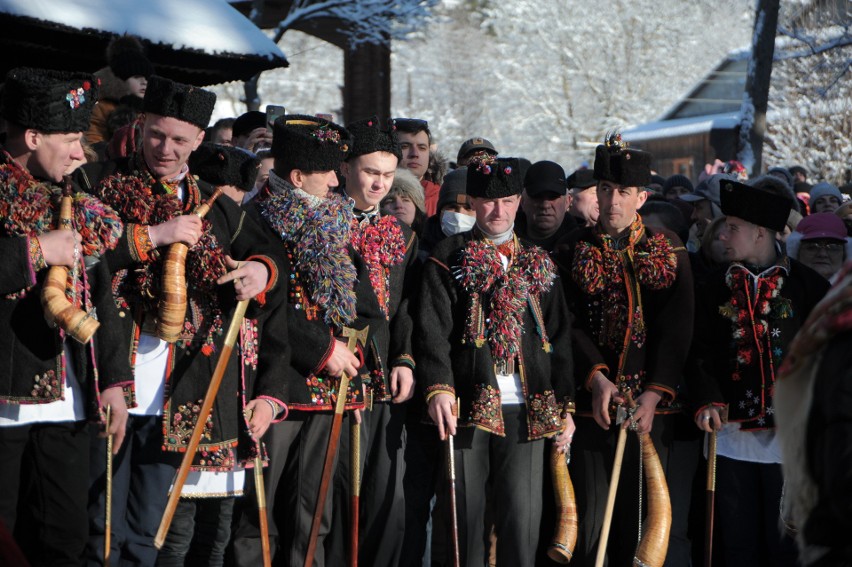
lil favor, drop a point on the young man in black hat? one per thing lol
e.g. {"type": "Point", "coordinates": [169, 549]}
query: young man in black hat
{"type": "Point", "coordinates": [155, 194]}
{"type": "Point", "coordinates": [746, 318]}
{"type": "Point", "coordinates": [50, 384]}
{"type": "Point", "coordinates": [630, 290]}
{"type": "Point", "coordinates": [493, 331]}
{"type": "Point", "coordinates": [330, 290]}
{"type": "Point", "coordinates": [545, 203]}
{"type": "Point", "coordinates": [389, 250]}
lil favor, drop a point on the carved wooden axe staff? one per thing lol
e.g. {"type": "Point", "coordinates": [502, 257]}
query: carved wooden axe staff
{"type": "Point", "coordinates": [355, 338]}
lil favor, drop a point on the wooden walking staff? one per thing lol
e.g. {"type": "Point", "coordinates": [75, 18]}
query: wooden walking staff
{"type": "Point", "coordinates": [206, 408]}
{"type": "Point", "coordinates": [711, 498]}
{"type": "Point", "coordinates": [354, 490]}
{"type": "Point", "coordinates": [613, 487]}
{"type": "Point", "coordinates": [260, 492]}
{"type": "Point", "coordinates": [454, 512]}
{"type": "Point", "coordinates": [172, 307]}
{"type": "Point", "coordinates": [108, 519]}
{"type": "Point", "coordinates": [355, 338]}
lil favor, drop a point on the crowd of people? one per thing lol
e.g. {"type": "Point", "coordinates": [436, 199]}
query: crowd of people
{"type": "Point", "coordinates": [371, 313]}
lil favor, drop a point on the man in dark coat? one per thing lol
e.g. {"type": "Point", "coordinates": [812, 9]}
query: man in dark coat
{"type": "Point", "coordinates": [493, 331]}
{"type": "Point", "coordinates": [155, 193]}
{"type": "Point", "coordinates": [49, 384]}
{"type": "Point", "coordinates": [545, 204]}
{"type": "Point", "coordinates": [389, 249]}
{"type": "Point", "coordinates": [630, 290]}
{"type": "Point", "coordinates": [330, 290]}
{"type": "Point", "coordinates": [745, 319]}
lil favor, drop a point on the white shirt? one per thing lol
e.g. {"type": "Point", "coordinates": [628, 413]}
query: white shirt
{"type": "Point", "coordinates": [759, 446]}
{"type": "Point", "coordinates": [152, 358]}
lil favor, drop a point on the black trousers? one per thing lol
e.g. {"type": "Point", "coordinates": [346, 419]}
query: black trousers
{"type": "Point", "coordinates": [199, 533]}
{"type": "Point", "coordinates": [44, 474]}
{"type": "Point", "coordinates": [382, 508]}
{"type": "Point", "coordinates": [748, 497]}
{"type": "Point", "coordinates": [297, 450]}
{"type": "Point", "coordinates": [512, 467]}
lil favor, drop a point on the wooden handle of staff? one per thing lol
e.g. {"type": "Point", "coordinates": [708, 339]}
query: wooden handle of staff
{"type": "Point", "coordinates": [610, 500]}
{"type": "Point", "coordinates": [561, 547]}
{"type": "Point", "coordinates": [198, 430]}
{"type": "Point", "coordinates": [710, 499]}
{"type": "Point", "coordinates": [454, 511]}
{"type": "Point", "coordinates": [108, 497]}
{"type": "Point", "coordinates": [354, 490]}
{"type": "Point", "coordinates": [57, 309]}
{"type": "Point", "coordinates": [172, 306]}
{"type": "Point", "coordinates": [261, 508]}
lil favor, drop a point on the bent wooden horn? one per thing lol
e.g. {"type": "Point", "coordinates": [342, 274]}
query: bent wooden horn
{"type": "Point", "coordinates": [172, 306]}
{"type": "Point", "coordinates": [58, 310]}
{"type": "Point", "coordinates": [564, 539]}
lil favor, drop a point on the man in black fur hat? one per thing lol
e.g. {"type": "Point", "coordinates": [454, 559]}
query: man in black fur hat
{"type": "Point", "coordinates": [155, 193]}
{"type": "Point", "coordinates": [493, 331]}
{"type": "Point", "coordinates": [49, 384]}
{"type": "Point", "coordinates": [389, 249]}
{"type": "Point", "coordinates": [630, 289]}
{"type": "Point", "coordinates": [746, 317]}
{"type": "Point", "coordinates": [330, 290]}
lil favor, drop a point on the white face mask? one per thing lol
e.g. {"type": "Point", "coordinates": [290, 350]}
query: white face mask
{"type": "Point", "coordinates": [455, 223]}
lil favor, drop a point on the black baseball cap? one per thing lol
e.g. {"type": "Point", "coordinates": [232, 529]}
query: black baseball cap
{"type": "Point", "coordinates": [582, 179]}
{"type": "Point", "coordinates": [545, 178]}
{"type": "Point", "coordinates": [475, 144]}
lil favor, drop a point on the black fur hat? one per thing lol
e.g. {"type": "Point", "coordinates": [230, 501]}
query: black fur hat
{"type": "Point", "coordinates": [49, 101]}
{"type": "Point", "coordinates": [755, 205]}
{"type": "Point", "coordinates": [308, 143]}
{"type": "Point", "coordinates": [616, 163]}
{"type": "Point", "coordinates": [176, 100]}
{"type": "Point", "coordinates": [492, 177]}
{"type": "Point", "coordinates": [224, 165]}
{"type": "Point", "coordinates": [368, 137]}
{"type": "Point", "coordinates": [126, 58]}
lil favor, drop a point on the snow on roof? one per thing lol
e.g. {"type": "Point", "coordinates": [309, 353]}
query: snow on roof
{"type": "Point", "coordinates": [681, 127]}
{"type": "Point", "coordinates": [183, 24]}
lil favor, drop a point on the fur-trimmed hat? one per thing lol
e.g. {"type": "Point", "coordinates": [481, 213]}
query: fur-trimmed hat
{"type": "Point", "coordinates": [616, 163]}
{"type": "Point", "coordinates": [756, 205]}
{"type": "Point", "coordinates": [406, 184]}
{"type": "Point", "coordinates": [49, 101]}
{"type": "Point", "coordinates": [490, 177]}
{"type": "Point", "coordinates": [368, 137]}
{"type": "Point", "coordinates": [224, 165]}
{"type": "Point", "coordinates": [308, 143]}
{"type": "Point", "coordinates": [176, 100]}
{"type": "Point", "coordinates": [126, 58]}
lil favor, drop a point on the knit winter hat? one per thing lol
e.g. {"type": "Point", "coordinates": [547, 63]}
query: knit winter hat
{"type": "Point", "coordinates": [616, 163]}
{"type": "Point", "coordinates": [756, 205]}
{"type": "Point", "coordinates": [224, 165]}
{"type": "Point", "coordinates": [49, 101]}
{"type": "Point", "coordinates": [126, 58]}
{"type": "Point", "coordinates": [308, 143]}
{"type": "Point", "coordinates": [454, 186]}
{"type": "Point", "coordinates": [368, 137]}
{"type": "Point", "coordinates": [678, 180]}
{"type": "Point", "coordinates": [176, 100]}
{"type": "Point", "coordinates": [406, 184]}
{"type": "Point", "coordinates": [824, 188]}
{"type": "Point", "coordinates": [492, 177]}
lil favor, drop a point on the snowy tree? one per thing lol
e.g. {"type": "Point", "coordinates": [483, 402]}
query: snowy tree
{"type": "Point", "coordinates": [810, 104]}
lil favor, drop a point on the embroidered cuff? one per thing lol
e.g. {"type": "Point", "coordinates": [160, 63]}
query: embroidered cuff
{"type": "Point", "coordinates": [139, 241]}
{"type": "Point", "coordinates": [279, 408]}
{"type": "Point", "coordinates": [603, 368]}
{"type": "Point", "coordinates": [273, 276]}
{"type": "Point", "coordinates": [37, 262]}
{"type": "Point", "coordinates": [667, 393]}
{"type": "Point", "coordinates": [326, 355]}
{"type": "Point", "coordinates": [436, 389]}
{"type": "Point", "coordinates": [404, 360]}
{"type": "Point", "coordinates": [568, 407]}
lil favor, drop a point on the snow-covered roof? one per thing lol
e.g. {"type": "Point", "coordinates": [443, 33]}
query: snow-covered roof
{"type": "Point", "coordinates": [184, 23]}
{"type": "Point", "coordinates": [200, 42]}
{"type": "Point", "coordinates": [681, 127]}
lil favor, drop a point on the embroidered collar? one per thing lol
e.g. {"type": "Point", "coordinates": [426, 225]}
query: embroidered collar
{"type": "Point", "coordinates": [316, 232]}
